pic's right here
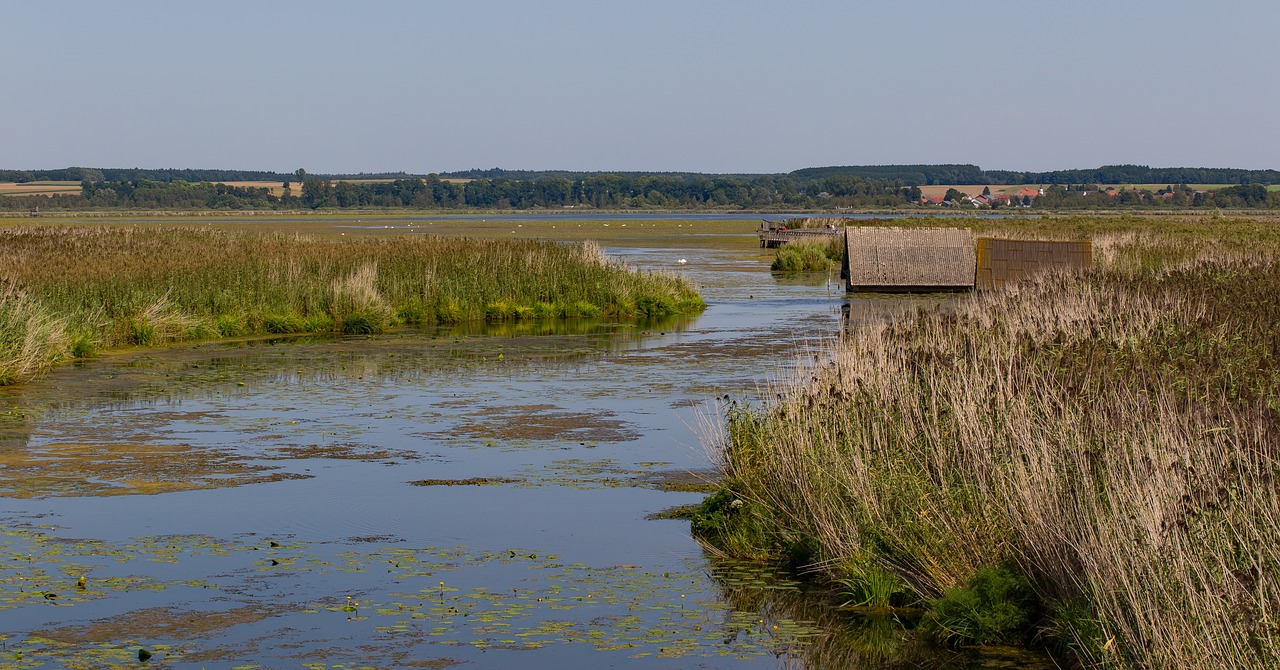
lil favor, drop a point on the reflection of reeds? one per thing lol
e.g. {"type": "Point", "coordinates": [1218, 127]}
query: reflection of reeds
{"type": "Point", "coordinates": [118, 286]}
{"type": "Point", "coordinates": [1113, 434]}
{"type": "Point", "coordinates": [840, 639]}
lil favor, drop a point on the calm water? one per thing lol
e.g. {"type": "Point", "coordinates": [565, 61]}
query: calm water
{"type": "Point", "coordinates": [421, 499]}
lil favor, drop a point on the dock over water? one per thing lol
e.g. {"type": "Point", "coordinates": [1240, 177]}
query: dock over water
{"type": "Point", "coordinates": [774, 234]}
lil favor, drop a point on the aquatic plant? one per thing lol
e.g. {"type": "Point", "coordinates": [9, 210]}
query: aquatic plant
{"type": "Point", "coordinates": [809, 255]}
{"type": "Point", "coordinates": [119, 286]}
{"type": "Point", "coordinates": [31, 337]}
{"type": "Point", "coordinates": [997, 606]}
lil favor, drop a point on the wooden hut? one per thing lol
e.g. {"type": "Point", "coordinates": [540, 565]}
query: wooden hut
{"type": "Point", "coordinates": [908, 259]}
{"type": "Point", "coordinates": [1002, 261]}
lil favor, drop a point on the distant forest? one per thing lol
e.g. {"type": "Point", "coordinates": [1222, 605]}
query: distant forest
{"type": "Point", "coordinates": [874, 186]}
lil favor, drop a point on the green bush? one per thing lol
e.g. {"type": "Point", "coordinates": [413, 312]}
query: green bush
{"type": "Point", "coordinates": [83, 347]}
{"type": "Point", "coordinates": [728, 522]}
{"type": "Point", "coordinates": [229, 325]}
{"type": "Point", "coordinates": [996, 607]}
{"type": "Point", "coordinates": [283, 324]}
{"type": "Point", "coordinates": [866, 584]}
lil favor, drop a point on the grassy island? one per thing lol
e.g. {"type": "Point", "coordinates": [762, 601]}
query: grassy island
{"type": "Point", "coordinates": [1089, 461]}
{"type": "Point", "coordinates": [69, 291]}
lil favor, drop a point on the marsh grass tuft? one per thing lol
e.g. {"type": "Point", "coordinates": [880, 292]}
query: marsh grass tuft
{"type": "Point", "coordinates": [119, 286]}
{"type": "Point", "coordinates": [809, 255]}
{"type": "Point", "coordinates": [31, 337]}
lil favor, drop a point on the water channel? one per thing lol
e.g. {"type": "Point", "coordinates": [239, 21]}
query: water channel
{"type": "Point", "coordinates": [476, 497]}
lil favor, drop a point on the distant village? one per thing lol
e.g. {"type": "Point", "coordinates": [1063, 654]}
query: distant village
{"type": "Point", "coordinates": [1028, 195]}
{"type": "Point", "coordinates": [1025, 196]}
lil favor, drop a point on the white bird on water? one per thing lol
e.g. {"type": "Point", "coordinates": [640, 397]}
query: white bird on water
{"type": "Point", "coordinates": [681, 261]}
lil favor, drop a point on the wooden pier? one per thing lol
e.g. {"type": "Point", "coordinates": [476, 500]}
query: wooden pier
{"type": "Point", "coordinates": [773, 234]}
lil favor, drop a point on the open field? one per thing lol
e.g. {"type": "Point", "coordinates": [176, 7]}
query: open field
{"type": "Point", "coordinates": [1108, 437]}
{"type": "Point", "coordinates": [276, 187]}
{"type": "Point", "coordinates": [39, 187]}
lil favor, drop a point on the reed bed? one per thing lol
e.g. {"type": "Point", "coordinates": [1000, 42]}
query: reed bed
{"type": "Point", "coordinates": [68, 291]}
{"type": "Point", "coordinates": [1113, 436]}
{"type": "Point", "coordinates": [809, 255]}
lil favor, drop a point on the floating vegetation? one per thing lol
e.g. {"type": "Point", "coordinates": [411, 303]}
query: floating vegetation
{"type": "Point", "coordinates": [684, 481]}
{"type": "Point", "coordinates": [544, 422]}
{"type": "Point", "coordinates": [429, 596]}
{"type": "Point", "coordinates": [346, 451]}
{"type": "Point", "coordinates": [683, 512]}
{"type": "Point", "coordinates": [108, 469]}
{"type": "Point", "coordinates": [467, 481]}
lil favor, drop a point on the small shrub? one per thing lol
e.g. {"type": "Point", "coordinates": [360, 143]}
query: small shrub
{"type": "Point", "coordinates": [356, 302]}
{"type": "Point", "coordinates": [162, 321]}
{"type": "Point", "coordinates": [229, 325]}
{"type": "Point", "coordinates": [359, 324]}
{"type": "Point", "coordinates": [583, 309]}
{"type": "Point", "coordinates": [655, 306]}
{"type": "Point", "coordinates": [728, 522]}
{"type": "Point", "coordinates": [499, 311]}
{"type": "Point", "coordinates": [83, 347]}
{"type": "Point", "coordinates": [284, 324]}
{"type": "Point", "coordinates": [142, 332]}
{"type": "Point", "coordinates": [741, 528]}
{"type": "Point", "coordinates": [414, 314]}
{"type": "Point", "coordinates": [448, 312]}
{"type": "Point", "coordinates": [866, 584]}
{"type": "Point", "coordinates": [545, 310]}
{"type": "Point", "coordinates": [317, 323]}
{"type": "Point", "coordinates": [803, 257]}
{"type": "Point", "coordinates": [996, 607]}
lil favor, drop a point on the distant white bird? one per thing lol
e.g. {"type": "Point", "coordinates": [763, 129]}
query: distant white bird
{"type": "Point", "coordinates": [682, 261]}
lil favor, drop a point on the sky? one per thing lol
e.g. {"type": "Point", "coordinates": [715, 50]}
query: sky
{"type": "Point", "coordinates": [726, 86]}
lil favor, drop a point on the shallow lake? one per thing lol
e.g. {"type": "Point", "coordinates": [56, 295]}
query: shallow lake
{"type": "Point", "coordinates": [476, 496]}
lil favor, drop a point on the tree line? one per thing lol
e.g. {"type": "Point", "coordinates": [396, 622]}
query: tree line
{"type": "Point", "coordinates": [1089, 196]}
{"type": "Point", "coordinates": [599, 191]}
{"type": "Point", "coordinates": [907, 175]}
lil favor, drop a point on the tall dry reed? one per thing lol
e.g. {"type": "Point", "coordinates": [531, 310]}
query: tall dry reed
{"type": "Point", "coordinates": [31, 338]}
{"type": "Point", "coordinates": [1112, 435]}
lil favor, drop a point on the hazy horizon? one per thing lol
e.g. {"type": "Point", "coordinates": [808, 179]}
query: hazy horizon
{"type": "Point", "coordinates": [720, 86]}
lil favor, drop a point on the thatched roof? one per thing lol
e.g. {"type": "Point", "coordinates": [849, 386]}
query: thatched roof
{"type": "Point", "coordinates": [908, 259]}
{"type": "Point", "coordinates": [1002, 261]}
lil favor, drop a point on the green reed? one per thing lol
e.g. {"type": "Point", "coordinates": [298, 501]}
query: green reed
{"type": "Point", "coordinates": [104, 287]}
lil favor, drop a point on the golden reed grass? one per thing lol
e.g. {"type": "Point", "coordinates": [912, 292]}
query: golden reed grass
{"type": "Point", "coordinates": [1113, 435]}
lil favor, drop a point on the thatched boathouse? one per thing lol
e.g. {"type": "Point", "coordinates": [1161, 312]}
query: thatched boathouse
{"type": "Point", "coordinates": [908, 259]}
{"type": "Point", "coordinates": [1004, 261]}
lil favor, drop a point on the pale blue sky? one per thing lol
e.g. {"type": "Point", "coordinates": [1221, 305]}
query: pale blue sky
{"type": "Point", "coordinates": [709, 86]}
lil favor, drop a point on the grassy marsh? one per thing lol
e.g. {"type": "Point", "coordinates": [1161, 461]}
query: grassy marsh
{"type": "Point", "coordinates": [70, 291]}
{"type": "Point", "coordinates": [1111, 436]}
